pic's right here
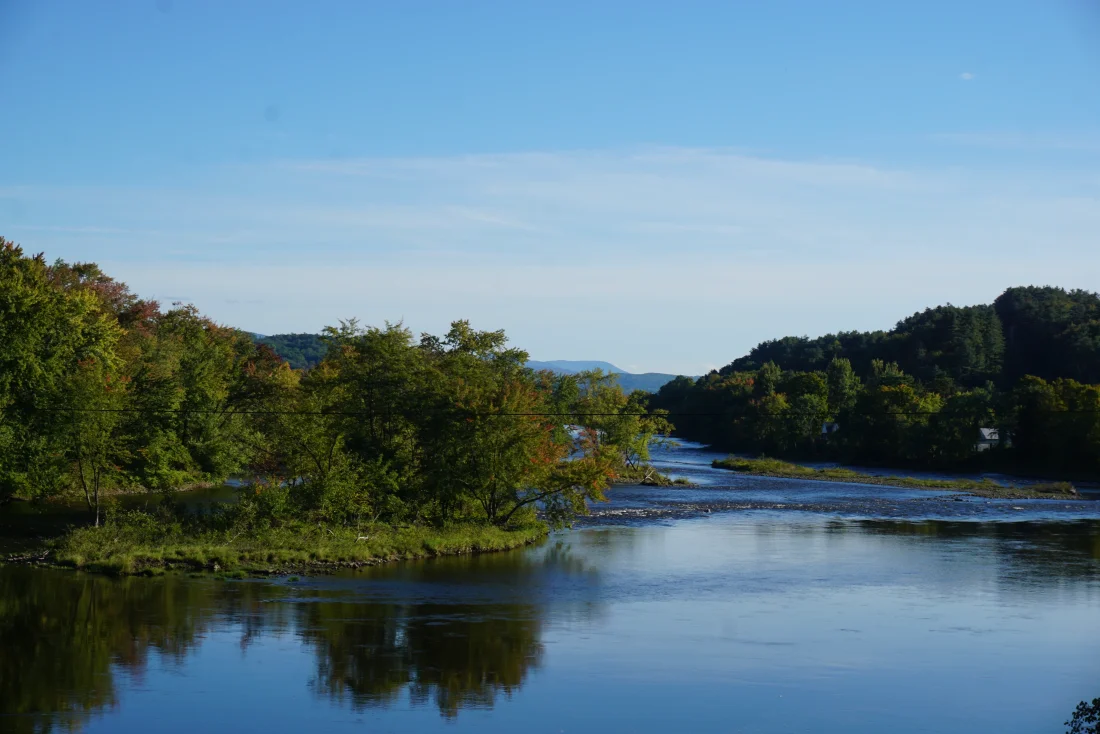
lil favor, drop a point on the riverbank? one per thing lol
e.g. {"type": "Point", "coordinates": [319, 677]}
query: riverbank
{"type": "Point", "coordinates": [140, 538]}
{"type": "Point", "coordinates": [982, 488]}
{"type": "Point", "coordinates": [126, 550]}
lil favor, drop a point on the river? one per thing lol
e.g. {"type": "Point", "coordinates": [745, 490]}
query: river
{"type": "Point", "coordinates": [743, 605]}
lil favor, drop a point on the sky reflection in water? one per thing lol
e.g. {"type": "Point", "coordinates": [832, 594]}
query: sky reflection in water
{"type": "Point", "coordinates": [751, 621]}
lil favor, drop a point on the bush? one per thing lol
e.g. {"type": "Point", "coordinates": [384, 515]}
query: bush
{"type": "Point", "coordinates": [260, 505]}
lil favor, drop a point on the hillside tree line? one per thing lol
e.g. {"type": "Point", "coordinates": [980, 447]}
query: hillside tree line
{"type": "Point", "coordinates": [1026, 366]}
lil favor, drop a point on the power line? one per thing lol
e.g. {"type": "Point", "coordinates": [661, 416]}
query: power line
{"type": "Point", "coordinates": [532, 414]}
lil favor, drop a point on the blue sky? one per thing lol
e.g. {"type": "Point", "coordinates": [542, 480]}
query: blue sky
{"type": "Point", "coordinates": [660, 185]}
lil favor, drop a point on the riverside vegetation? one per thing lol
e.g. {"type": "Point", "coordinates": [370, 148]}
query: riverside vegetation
{"type": "Point", "coordinates": [390, 447]}
{"type": "Point", "coordinates": [1026, 366]}
{"type": "Point", "coordinates": [393, 446]}
{"type": "Point", "coordinates": [982, 487]}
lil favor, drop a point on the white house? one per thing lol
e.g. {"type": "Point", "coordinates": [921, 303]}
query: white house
{"type": "Point", "coordinates": [987, 439]}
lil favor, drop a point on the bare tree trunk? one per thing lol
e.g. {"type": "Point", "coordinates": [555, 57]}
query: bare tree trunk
{"type": "Point", "coordinates": [83, 482]}
{"type": "Point", "coordinates": [79, 463]}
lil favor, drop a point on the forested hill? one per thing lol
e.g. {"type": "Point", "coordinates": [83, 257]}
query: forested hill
{"type": "Point", "coordinates": [300, 350]}
{"type": "Point", "coordinates": [1010, 386]}
{"type": "Point", "coordinates": [628, 381]}
{"type": "Point", "coordinates": [1043, 331]}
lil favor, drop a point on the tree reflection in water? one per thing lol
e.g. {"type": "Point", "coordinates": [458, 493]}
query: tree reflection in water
{"type": "Point", "coordinates": [454, 656]}
{"type": "Point", "coordinates": [66, 637]}
{"type": "Point", "coordinates": [452, 634]}
{"type": "Point", "coordinates": [1040, 553]}
{"type": "Point", "coordinates": [472, 632]}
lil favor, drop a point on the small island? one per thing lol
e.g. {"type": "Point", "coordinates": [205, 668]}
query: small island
{"type": "Point", "coordinates": [764, 467]}
{"type": "Point", "coordinates": [388, 447]}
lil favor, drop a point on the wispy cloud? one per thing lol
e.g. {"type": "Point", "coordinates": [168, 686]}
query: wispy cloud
{"type": "Point", "coordinates": [968, 76]}
{"type": "Point", "coordinates": [1004, 140]}
{"type": "Point", "coordinates": [670, 258]}
{"type": "Point", "coordinates": [85, 230]}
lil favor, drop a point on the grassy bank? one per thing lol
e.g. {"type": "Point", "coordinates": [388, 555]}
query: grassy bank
{"type": "Point", "coordinates": [126, 549]}
{"type": "Point", "coordinates": [982, 487]}
{"type": "Point", "coordinates": [648, 476]}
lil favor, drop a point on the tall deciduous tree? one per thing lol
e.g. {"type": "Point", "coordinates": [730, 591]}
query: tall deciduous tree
{"type": "Point", "coordinates": [46, 332]}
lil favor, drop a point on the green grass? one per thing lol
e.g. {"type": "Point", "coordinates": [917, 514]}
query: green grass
{"type": "Point", "coordinates": [982, 487]}
{"type": "Point", "coordinates": [648, 476]}
{"type": "Point", "coordinates": [118, 549]}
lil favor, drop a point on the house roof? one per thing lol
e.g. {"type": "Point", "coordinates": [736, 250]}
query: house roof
{"type": "Point", "coordinates": [990, 434]}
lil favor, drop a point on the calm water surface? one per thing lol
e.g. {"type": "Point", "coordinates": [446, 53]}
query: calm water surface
{"type": "Point", "coordinates": [788, 607]}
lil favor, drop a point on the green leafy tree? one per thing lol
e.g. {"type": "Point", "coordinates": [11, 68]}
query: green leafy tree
{"type": "Point", "coordinates": [1085, 719]}
{"type": "Point", "coordinates": [624, 424]}
{"type": "Point", "coordinates": [955, 429]}
{"type": "Point", "coordinates": [1050, 333]}
{"type": "Point", "coordinates": [383, 384]}
{"type": "Point", "coordinates": [768, 424]}
{"type": "Point", "coordinates": [807, 413]}
{"type": "Point", "coordinates": [767, 379]}
{"type": "Point", "coordinates": [843, 386]}
{"type": "Point", "coordinates": [46, 331]}
{"type": "Point", "coordinates": [492, 448]}
{"type": "Point", "coordinates": [98, 449]}
{"type": "Point", "coordinates": [891, 421]}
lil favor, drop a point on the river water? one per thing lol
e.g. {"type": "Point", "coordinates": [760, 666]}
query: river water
{"type": "Point", "coordinates": [742, 605]}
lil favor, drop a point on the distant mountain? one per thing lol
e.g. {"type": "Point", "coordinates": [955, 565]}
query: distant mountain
{"type": "Point", "coordinates": [647, 381]}
{"type": "Point", "coordinates": [303, 351]}
{"type": "Point", "coordinates": [573, 366]}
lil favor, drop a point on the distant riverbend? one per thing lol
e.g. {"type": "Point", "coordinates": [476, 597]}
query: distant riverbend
{"type": "Point", "coordinates": [981, 487]}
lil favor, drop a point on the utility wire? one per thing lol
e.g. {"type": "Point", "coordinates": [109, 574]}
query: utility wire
{"type": "Point", "coordinates": [490, 414]}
